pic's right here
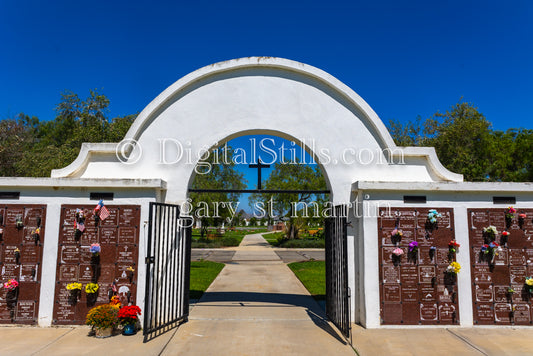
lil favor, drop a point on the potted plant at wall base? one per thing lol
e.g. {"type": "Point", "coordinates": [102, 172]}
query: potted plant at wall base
{"type": "Point", "coordinates": [74, 292]}
{"type": "Point", "coordinates": [103, 319]}
{"type": "Point", "coordinates": [128, 316]}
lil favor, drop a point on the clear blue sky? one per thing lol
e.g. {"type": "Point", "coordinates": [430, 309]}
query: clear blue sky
{"type": "Point", "coordinates": [405, 58]}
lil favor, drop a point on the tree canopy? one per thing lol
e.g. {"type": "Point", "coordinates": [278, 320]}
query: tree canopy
{"type": "Point", "coordinates": [466, 143]}
{"type": "Point", "coordinates": [32, 148]}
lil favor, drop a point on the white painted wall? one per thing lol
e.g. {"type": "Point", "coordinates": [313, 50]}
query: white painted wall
{"type": "Point", "coordinates": [53, 199]}
{"type": "Point", "coordinates": [460, 197]}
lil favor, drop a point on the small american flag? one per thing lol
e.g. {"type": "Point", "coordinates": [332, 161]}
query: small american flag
{"type": "Point", "coordinates": [80, 226]}
{"type": "Point", "coordinates": [101, 210]}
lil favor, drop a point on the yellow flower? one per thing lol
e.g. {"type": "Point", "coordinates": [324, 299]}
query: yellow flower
{"type": "Point", "coordinates": [456, 267]}
{"type": "Point", "coordinates": [73, 286]}
{"type": "Point", "coordinates": [91, 288]}
{"type": "Point", "coordinates": [529, 281]}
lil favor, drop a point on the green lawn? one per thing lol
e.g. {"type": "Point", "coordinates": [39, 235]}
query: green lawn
{"type": "Point", "coordinates": [229, 238]}
{"type": "Point", "coordinates": [277, 239]}
{"type": "Point", "coordinates": [313, 276]}
{"type": "Point", "coordinates": [203, 273]}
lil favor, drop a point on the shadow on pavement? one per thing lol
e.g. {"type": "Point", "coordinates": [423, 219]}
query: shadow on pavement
{"type": "Point", "coordinates": [314, 311]}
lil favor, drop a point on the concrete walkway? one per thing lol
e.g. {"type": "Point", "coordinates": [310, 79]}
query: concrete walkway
{"type": "Point", "coordinates": [256, 306]}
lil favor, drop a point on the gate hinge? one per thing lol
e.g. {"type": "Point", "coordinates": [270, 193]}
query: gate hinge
{"type": "Point", "coordinates": [150, 259]}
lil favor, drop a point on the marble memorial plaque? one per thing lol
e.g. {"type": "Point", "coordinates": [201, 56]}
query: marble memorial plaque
{"type": "Point", "coordinates": [500, 294]}
{"type": "Point", "coordinates": [12, 214]}
{"type": "Point", "coordinates": [409, 293]}
{"type": "Point", "coordinates": [68, 273]}
{"type": "Point", "coordinates": [502, 313]}
{"type": "Point", "coordinates": [427, 294]}
{"type": "Point", "coordinates": [391, 293]}
{"type": "Point", "coordinates": [445, 296]}
{"type": "Point", "coordinates": [25, 310]}
{"type": "Point", "coordinates": [391, 274]}
{"type": "Point", "coordinates": [428, 312]}
{"type": "Point", "coordinates": [127, 216]}
{"type": "Point", "coordinates": [86, 273]}
{"type": "Point", "coordinates": [409, 274]}
{"type": "Point", "coordinates": [522, 314]}
{"type": "Point", "coordinates": [126, 235]}
{"type": "Point", "coordinates": [10, 271]}
{"type": "Point", "coordinates": [426, 274]}
{"type": "Point", "coordinates": [32, 217]}
{"type": "Point", "coordinates": [482, 274]}
{"type": "Point", "coordinates": [108, 235]}
{"type": "Point", "coordinates": [484, 292]}
{"type": "Point", "coordinates": [502, 259]}
{"type": "Point", "coordinates": [89, 236]}
{"type": "Point", "coordinates": [447, 313]}
{"type": "Point", "coordinates": [517, 257]}
{"type": "Point", "coordinates": [484, 313]}
{"type": "Point", "coordinates": [30, 254]}
{"type": "Point", "coordinates": [125, 254]}
{"type": "Point", "coordinates": [28, 273]}
{"type": "Point", "coordinates": [70, 254]}
{"type": "Point", "coordinates": [9, 254]}
{"type": "Point", "coordinates": [517, 274]}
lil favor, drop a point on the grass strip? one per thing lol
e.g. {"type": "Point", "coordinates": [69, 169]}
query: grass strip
{"type": "Point", "coordinates": [203, 273]}
{"type": "Point", "coordinates": [312, 274]}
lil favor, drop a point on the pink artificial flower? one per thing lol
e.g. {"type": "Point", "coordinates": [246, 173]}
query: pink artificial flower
{"type": "Point", "coordinates": [397, 251]}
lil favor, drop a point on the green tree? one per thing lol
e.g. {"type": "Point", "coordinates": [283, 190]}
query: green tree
{"type": "Point", "coordinates": [39, 147]}
{"type": "Point", "coordinates": [220, 175]}
{"type": "Point", "coordinates": [290, 205]}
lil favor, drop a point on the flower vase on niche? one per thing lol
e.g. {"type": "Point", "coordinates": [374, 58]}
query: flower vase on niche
{"type": "Point", "coordinates": [396, 236]}
{"type": "Point", "coordinates": [450, 277]}
{"type": "Point", "coordinates": [509, 294]}
{"type": "Point", "coordinates": [18, 222]}
{"type": "Point", "coordinates": [130, 271]}
{"type": "Point", "coordinates": [17, 256]}
{"type": "Point", "coordinates": [36, 235]}
{"type": "Point", "coordinates": [397, 256]}
{"type": "Point", "coordinates": [74, 293]}
{"type": "Point", "coordinates": [79, 224]}
{"type": "Point", "coordinates": [432, 251]}
{"type": "Point", "coordinates": [1, 234]}
{"type": "Point", "coordinates": [12, 294]}
{"type": "Point", "coordinates": [509, 216]}
{"type": "Point", "coordinates": [504, 238]}
{"type": "Point", "coordinates": [521, 220]}
{"type": "Point", "coordinates": [412, 255]}
{"type": "Point", "coordinates": [91, 289]}
{"type": "Point", "coordinates": [432, 222]}
{"type": "Point", "coordinates": [95, 261]}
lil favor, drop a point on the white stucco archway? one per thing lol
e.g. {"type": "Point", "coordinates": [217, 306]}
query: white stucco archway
{"type": "Point", "coordinates": [260, 95]}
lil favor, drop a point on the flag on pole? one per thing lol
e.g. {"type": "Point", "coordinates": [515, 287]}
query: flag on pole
{"type": "Point", "coordinates": [101, 210]}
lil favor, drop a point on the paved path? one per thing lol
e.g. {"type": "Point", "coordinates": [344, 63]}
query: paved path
{"type": "Point", "coordinates": [260, 308]}
{"type": "Point", "coordinates": [256, 306]}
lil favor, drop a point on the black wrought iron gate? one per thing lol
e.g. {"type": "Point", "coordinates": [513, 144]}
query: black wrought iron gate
{"type": "Point", "coordinates": [337, 290]}
{"type": "Point", "coordinates": [168, 258]}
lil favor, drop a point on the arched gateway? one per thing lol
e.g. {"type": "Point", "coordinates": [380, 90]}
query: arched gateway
{"type": "Point", "coordinates": [389, 188]}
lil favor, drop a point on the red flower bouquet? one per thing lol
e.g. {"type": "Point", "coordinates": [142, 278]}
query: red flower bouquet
{"type": "Point", "coordinates": [129, 314]}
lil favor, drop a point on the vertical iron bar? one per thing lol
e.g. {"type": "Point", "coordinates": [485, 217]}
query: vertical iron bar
{"type": "Point", "coordinates": [148, 294]}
